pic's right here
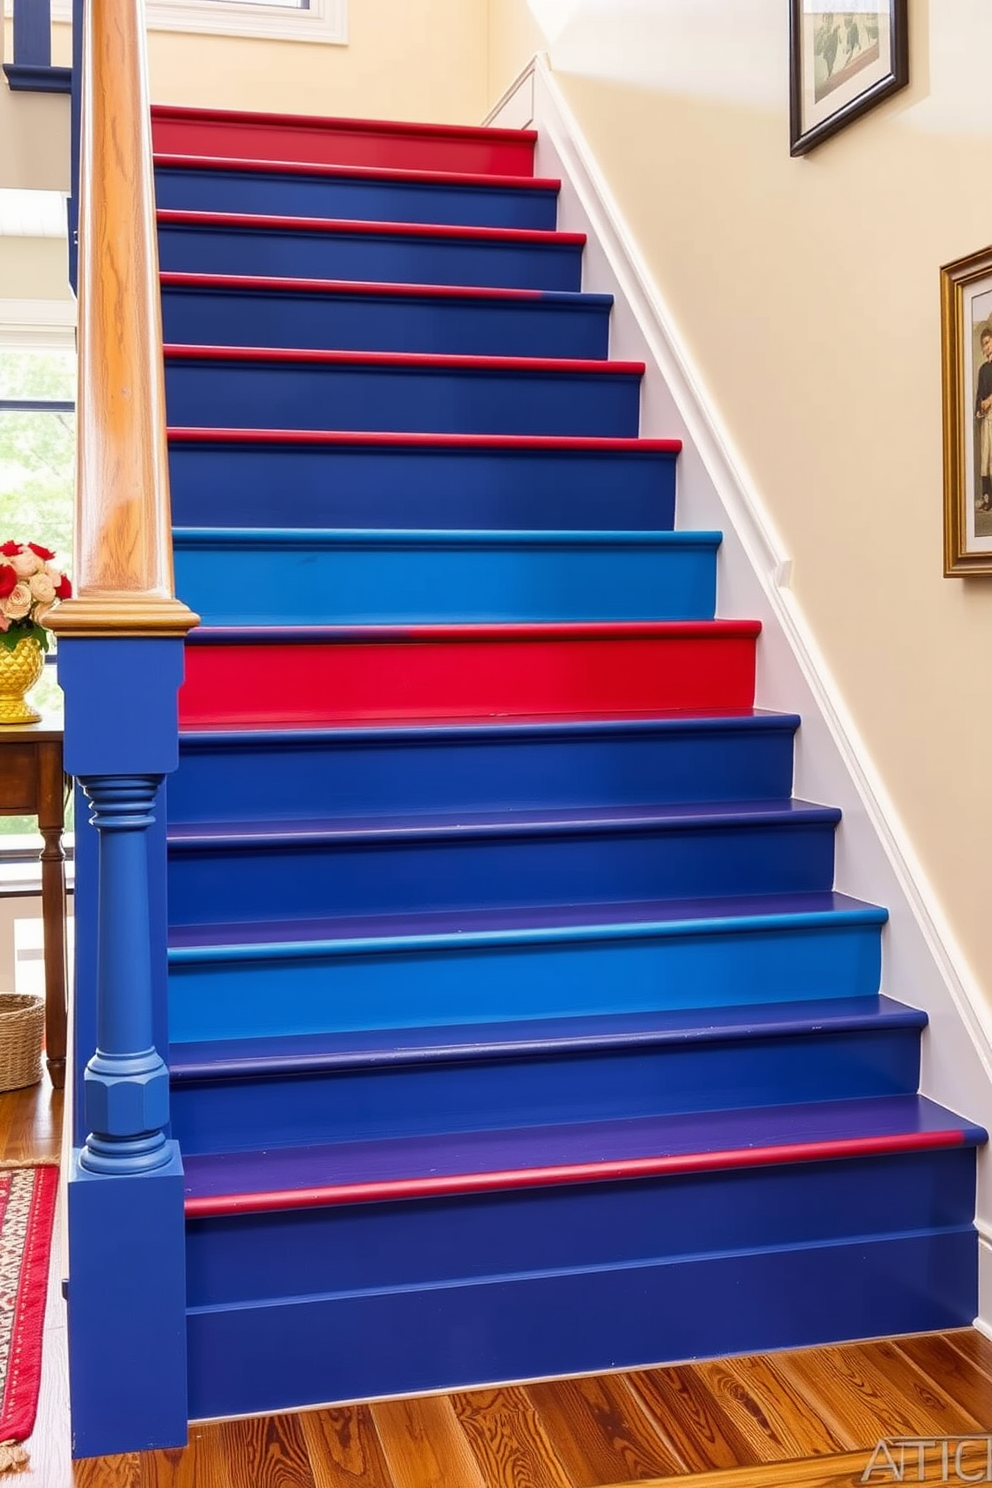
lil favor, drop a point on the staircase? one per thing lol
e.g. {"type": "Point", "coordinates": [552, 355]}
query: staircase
{"type": "Point", "coordinates": [516, 1026]}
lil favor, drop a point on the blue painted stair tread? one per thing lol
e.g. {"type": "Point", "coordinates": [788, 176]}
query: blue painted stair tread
{"type": "Point", "coordinates": [616, 919]}
{"type": "Point", "coordinates": [229, 310]}
{"type": "Point", "coordinates": [269, 979]}
{"type": "Point", "coordinates": [243, 1094]}
{"type": "Point", "coordinates": [345, 479]}
{"type": "Point", "coordinates": [253, 388]}
{"type": "Point", "coordinates": [223, 1059]}
{"type": "Point", "coordinates": [594, 854]}
{"type": "Point", "coordinates": [388, 577]}
{"type": "Point", "coordinates": [742, 1136]}
{"type": "Point", "coordinates": [483, 765]}
{"type": "Point", "coordinates": [198, 184]}
{"type": "Point", "coordinates": [404, 253]}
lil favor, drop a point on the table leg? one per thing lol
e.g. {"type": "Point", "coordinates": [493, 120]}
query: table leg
{"type": "Point", "coordinates": [51, 817]}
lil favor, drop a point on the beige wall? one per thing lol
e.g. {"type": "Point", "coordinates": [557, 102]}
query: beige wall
{"type": "Point", "coordinates": [34, 135]}
{"type": "Point", "coordinates": [33, 269]}
{"type": "Point", "coordinates": [807, 293]}
{"type": "Point", "coordinates": [422, 61]}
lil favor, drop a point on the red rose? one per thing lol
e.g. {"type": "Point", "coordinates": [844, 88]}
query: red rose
{"type": "Point", "coordinates": [63, 589]}
{"type": "Point", "coordinates": [8, 580]}
{"type": "Point", "coordinates": [45, 554]}
{"type": "Point", "coordinates": [10, 549]}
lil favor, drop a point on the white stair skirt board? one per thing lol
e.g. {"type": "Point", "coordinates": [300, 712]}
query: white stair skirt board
{"type": "Point", "coordinates": [924, 964]}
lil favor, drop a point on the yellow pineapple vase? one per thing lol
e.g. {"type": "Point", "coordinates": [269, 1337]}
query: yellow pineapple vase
{"type": "Point", "coordinates": [21, 667]}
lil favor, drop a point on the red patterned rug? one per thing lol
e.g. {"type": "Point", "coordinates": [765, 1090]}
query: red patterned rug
{"type": "Point", "coordinates": [27, 1209]}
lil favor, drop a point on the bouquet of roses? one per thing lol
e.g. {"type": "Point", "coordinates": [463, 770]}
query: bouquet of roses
{"type": "Point", "coordinates": [30, 586]}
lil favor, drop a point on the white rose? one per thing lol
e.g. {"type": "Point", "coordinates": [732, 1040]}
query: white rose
{"type": "Point", "coordinates": [42, 587]}
{"type": "Point", "coordinates": [42, 612]}
{"type": "Point", "coordinates": [18, 602]}
{"type": "Point", "coordinates": [25, 564]}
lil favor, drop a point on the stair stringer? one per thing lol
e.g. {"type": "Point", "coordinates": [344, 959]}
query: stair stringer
{"type": "Point", "coordinates": [924, 964]}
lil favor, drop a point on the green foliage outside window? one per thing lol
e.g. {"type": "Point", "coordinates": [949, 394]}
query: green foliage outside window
{"type": "Point", "coordinates": [37, 470]}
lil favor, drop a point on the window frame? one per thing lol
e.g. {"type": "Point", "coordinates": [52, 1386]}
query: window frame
{"type": "Point", "coordinates": [325, 21]}
{"type": "Point", "coordinates": [34, 325]}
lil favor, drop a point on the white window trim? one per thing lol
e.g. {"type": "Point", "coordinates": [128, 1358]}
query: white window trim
{"type": "Point", "coordinates": [27, 324]}
{"type": "Point", "coordinates": [325, 20]}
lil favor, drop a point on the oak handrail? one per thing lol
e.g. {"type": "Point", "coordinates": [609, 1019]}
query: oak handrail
{"type": "Point", "coordinates": [123, 577]}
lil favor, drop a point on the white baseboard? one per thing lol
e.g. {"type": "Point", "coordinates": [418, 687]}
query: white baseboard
{"type": "Point", "coordinates": [923, 963]}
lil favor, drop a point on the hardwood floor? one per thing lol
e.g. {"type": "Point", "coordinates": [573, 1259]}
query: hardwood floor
{"type": "Point", "coordinates": [808, 1418]}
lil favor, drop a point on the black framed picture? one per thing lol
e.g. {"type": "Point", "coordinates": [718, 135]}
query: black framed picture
{"type": "Point", "coordinates": [843, 61]}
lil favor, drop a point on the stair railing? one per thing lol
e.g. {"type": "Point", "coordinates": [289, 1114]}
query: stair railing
{"type": "Point", "coordinates": [31, 71]}
{"type": "Point", "coordinates": [120, 665]}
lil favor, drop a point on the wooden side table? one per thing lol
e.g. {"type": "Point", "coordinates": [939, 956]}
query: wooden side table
{"type": "Point", "coordinates": [32, 783]}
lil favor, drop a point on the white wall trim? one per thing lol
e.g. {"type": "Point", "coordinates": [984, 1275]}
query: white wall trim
{"type": "Point", "coordinates": [515, 110]}
{"type": "Point", "coordinates": [25, 324]}
{"type": "Point", "coordinates": [923, 962]}
{"type": "Point", "coordinates": [324, 21]}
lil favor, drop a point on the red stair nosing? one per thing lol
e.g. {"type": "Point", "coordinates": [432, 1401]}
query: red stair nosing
{"type": "Point", "coordinates": [404, 359]}
{"type": "Point", "coordinates": [186, 114]}
{"type": "Point", "coordinates": [171, 279]}
{"type": "Point", "coordinates": [356, 172]}
{"type": "Point", "coordinates": [211, 1206]}
{"type": "Point", "coordinates": [536, 631]}
{"type": "Point", "coordinates": [171, 217]}
{"type": "Point", "coordinates": [349, 437]}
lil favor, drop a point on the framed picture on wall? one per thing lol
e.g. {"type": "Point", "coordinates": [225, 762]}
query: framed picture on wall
{"type": "Point", "coordinates": [966, 371]}
{"type": "Point", "coordinates": [843, 60]}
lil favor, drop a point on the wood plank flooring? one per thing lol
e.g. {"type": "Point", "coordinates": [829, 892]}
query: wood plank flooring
{"type": "Point", "coordinates": [807, 1418]}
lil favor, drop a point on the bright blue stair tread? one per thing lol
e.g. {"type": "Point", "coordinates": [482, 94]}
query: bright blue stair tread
{"type": "Point", "coordinates": [428, 537]}
{"type": "Point", "coordinates": [377, 1048]}
{"type": "Point", "coordinates": [399, 1159]}
{"type": "Point", "coordinates": [465, 927]}
{"type": "Point", "coordinates": [463, 824]}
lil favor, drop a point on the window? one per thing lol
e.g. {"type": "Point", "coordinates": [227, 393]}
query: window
{"type": "Point", "coordinates": [37, 463]}
{"type": "Point", "coordinates": [286, 20]}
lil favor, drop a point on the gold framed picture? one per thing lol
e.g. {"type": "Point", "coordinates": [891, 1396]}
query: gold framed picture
{"type": "Point", "coordinates": [843, 60]}
{"type": "Point", "coordinates": [966, 377]}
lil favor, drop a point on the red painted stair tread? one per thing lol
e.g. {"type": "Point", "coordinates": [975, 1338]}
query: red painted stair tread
{"type": "Point", "coordinates": [304, 138]}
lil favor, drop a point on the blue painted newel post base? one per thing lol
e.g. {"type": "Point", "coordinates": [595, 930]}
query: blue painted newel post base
{"type": "Point", "coordinates": [126, 1083]}
{"type": "Point", "coordinates": [127, 1284]}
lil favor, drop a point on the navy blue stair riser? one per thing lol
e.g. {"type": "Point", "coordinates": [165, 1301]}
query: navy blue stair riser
{"type": "Point", "coordinates": [248, 879]}
{"type": "Point", "coordinates": [387, 258]}
{"type": "Point", "coordinates": [382, 485]}
{"type": "Point", "coordinates": [320, 395]}
{"type": "Point", "coordinates": [349, 321]}
{"type": "Point", "coordinates": [355, 772]}
{"type": "Point", "coordinates": [187, 189]}
{"type": "Point", "coordinates": [248, 1113]}
{"type": "Point", "coordinates": [276, 1355]}
{"type": "Point", "coordinates": [409, 578]}
{"type": "Point", "coordinates": [255, 994]}
{"type": "Point", "coordinates": [355, 1248]}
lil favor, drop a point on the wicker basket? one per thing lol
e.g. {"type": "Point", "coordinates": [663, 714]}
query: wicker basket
{"type": "Point", "coordinates": [22, 1029]}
